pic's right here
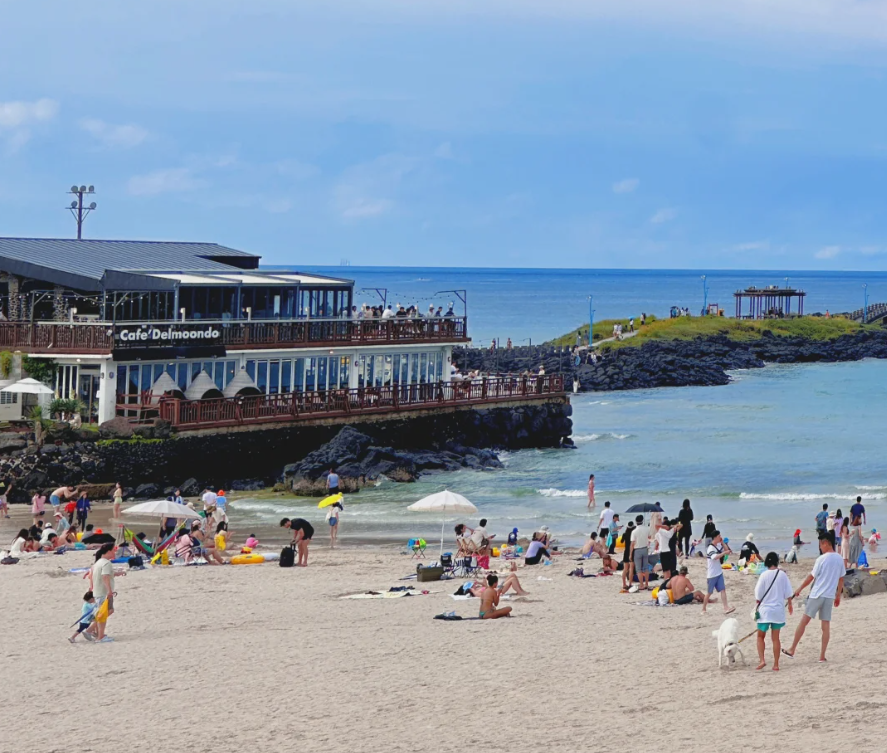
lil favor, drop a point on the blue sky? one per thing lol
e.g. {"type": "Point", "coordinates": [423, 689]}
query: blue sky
{"type": "Point", "coordinates": [525, 133]}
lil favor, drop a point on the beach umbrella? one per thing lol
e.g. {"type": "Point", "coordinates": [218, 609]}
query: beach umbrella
{"type": "Point", "coordinates": [29, 386]}
{"type": "Point", "coordinates": [331, 500]}
{"type": "Point", "coordinates": [162, 508]}
{"type": "Point", "coordinates": [241, 384]}
{"type": "Point", "coordinates": [202, 387]}
{"type": "Point", "coordinates": [443, 503]}
{"type": "Point", "coordinates": [643, 507]}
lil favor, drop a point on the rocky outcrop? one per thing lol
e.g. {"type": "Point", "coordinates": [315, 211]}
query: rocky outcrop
{"type": "Point", "coordinates": [862, 583]}
{"type": "Point", "coordinates": [358, 462]}
{"type": "Point", "coordinates": [675, 363]}
{"type": "Point", "coordinates": [398, 448]}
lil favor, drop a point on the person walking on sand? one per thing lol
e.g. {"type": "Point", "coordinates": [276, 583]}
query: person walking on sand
{"type": "Point", "coordinates": [101, 583]}
{"type": "Point", "coordinates": [828, 584]}
{"type": "Point", "coordinates": [715, 555]}
{"type": "Point", "coordinates": [591, 491]}
{"type": "Point", "coordinates": [332, 517]}
{"type": "Point", "coordinates": [83, 508]}
{"type": "Point", "coordinates": [822, 519]}
{"type": "Point", "coordinates": [59, 496]}
{"type": "Point", "coordinates": [605, 521]}
{"type": "Point", "coordinates": [303, 532]}
{"type": "Point", "coordinates": [772, 591]}
{"type": "Point", "coordinates": [4, 499]}
{"type": "Point", "coordinates": [685, 518]}
{"type": "Point", "coordinates": [118, 500]}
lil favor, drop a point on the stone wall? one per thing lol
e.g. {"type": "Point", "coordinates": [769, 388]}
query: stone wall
{"type": "Point", "coordinates": [257, 458]}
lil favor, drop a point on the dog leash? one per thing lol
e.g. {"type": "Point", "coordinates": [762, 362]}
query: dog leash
{"type": "Point", "coordinates": [748, 636]}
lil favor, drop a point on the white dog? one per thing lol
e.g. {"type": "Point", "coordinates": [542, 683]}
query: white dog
{"type": "Point", "coordinates": [728, 642]}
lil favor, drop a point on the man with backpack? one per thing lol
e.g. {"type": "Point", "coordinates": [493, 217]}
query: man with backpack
{"type": "Point", "coordinates": [303, 532]}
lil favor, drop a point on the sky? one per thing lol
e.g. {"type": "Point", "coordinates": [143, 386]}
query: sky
{"type": "Point", "coordinates": [529, 133]}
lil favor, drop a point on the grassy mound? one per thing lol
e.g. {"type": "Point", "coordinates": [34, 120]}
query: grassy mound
{"type": "Point", "coordinates": [688, 328]}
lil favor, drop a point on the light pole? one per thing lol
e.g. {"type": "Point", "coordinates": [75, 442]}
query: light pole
{"type": "Point", "coordinates": [78, 210]}
{"type": "Point", "coordinates": [590, 320]}
{"type": "Point", "coordinates": [704, 296]}
{"type": "Point", "coordinates": [865, 303]}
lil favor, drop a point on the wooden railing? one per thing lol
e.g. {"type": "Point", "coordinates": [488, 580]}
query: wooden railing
{"type": "Point", "coordinates": [294, 406]}
{"type": "Point", "coordinates": [98, 337]}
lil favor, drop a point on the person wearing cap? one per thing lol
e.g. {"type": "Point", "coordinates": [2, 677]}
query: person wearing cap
{"type": "Point", "coordinates": [715, 554]}
{"type": "Point", "coordinates": [221, 512]}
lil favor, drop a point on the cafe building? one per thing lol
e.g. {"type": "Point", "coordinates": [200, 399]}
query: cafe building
{"type": "Point", "coordinates": [128, 324]}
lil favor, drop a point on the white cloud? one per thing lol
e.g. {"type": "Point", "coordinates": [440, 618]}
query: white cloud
{"type": "Point", "coordinates": [22, 114]}
{"type": "Point", "coordinates": [663, 215]}
{"type": "Point", "coordinates": [18, 118]}
{"type": "Point", "coordinates": [752, 246]}
{"type": "Point", "coordinates": [827, 252]}
{"type": "Point", "coordinates": [114, 136]}
{"type": "Point", "coordinates": [368, 190]}
{"type": "Point", "coordinates": [364, 208]}
{"type": "Point", "coordinates": [626, 185]}
{"type": "Point", "coordinates": [172, 180]}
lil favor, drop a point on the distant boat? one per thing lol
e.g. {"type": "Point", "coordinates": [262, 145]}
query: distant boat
{"type": "Point", "coordinates": [345, 262]}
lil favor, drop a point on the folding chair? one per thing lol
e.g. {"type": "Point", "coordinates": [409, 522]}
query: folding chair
{"type": "Point", "coordinates": [417, 546]}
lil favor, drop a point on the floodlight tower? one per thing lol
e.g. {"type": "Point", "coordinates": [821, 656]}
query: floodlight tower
{"type": "Point", "coordinates": [77, 209]}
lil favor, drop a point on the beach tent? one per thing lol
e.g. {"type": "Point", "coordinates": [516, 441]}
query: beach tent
{"type": "Point", "coordinates": [202, 387]}
{"type": "Point", "coordinates": [241, 385]}
{"type": "Point", "coordinates": [445, 504]}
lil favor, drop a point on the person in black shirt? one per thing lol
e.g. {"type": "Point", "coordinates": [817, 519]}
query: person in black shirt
{"type": "Point", "coordinates": [303, 532]}
{"type": "Point", "coordinates": [626, 554]}
{"type": "Point", "coordinates": [685, 518]}
{"type": "Point", "coordinates": [708, 534]}
{"type": "Point", "coordinates": [749, 550]}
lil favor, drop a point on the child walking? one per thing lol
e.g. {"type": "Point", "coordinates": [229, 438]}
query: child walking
{"type": "Point", "coordinates": [86, 624]}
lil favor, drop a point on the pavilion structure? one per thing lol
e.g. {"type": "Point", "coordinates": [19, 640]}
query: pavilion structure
{"type": "Point", "coordinates": [771, 302]}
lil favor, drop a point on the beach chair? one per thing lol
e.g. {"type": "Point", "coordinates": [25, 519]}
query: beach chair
{"type": "Point", "coordinates": [417, 547]}
{"type": "Point", "coordinates": [152, 553]}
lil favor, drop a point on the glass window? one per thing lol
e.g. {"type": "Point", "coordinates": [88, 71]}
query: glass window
{"type": "Point", "coordinates": [310, 374]}
{"type": "Point", "coordinates": [414, 368]}
{"type": "Point", "coordinates": [423, 368]}
{"type": "Point", "coordinates": [299, 375]}
{"type": "Point", "coordinates": [405, 369]}
{"type": "Point", "coordinates": [195, 369]}
{"type": "Point", "coordinates": [274, 377]}
{"type": "Point", "coordinates": [219, 375]}
{"type": "Point", "coordinates": [121, 380]}
{"type": "Point", "coordinates": [262, 376]}
{"type": "Point", "coordinates": [182, 376]}
{"type": "Point", "coordinates": [146, 378]}
{"type": "Point", "coordinates": [230, 371]}
{"type": "Point", "coordinates": [395, 367]}
{"type": "Point", "coordinates": [345, 373]}
{"type": "Point", "coordinates": [321, 373]}
{"type": "Point", "coordinates": [286, 376]}
{"type": "Point", "coordinates": [251, 369]}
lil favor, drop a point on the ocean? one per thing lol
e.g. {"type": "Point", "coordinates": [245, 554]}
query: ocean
{"type": "Point", "coordinates": [540, 304]}
{"type": "Point", "coordinates": [761, 454]}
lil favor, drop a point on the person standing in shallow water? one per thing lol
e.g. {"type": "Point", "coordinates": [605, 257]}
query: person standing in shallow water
{"type": "Point", "coordinates": [685, 518]}
{"type": "Point", "coordinates": [591, 491]}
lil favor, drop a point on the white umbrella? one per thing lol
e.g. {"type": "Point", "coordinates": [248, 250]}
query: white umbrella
{"type": "Point", "coordinates": [162, 508]}
{"type": "Point", "coordinates": [30, 387]}
{"type": "Point", "coordinates": [443, 502]}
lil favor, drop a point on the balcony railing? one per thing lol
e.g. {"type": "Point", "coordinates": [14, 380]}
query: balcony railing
{"type": "Point", "coordinates": [295, 406]}
{"type": "Point", "coordinates": [99, 337]}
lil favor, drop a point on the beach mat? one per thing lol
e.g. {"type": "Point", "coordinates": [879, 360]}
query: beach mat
{"type": "Point", "coordinates": [386, 595]}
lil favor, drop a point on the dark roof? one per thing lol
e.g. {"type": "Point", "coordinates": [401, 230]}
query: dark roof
{"type": "Point", "coordinates": [83, 264]}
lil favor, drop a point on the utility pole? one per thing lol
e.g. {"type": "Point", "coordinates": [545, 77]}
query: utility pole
{"type": "Point", "coordinates": [77, 209]}
{"type": "Point", "coordinates": [590, 320]}
{"type": "Point", "coordinates": [704, 296]}
{"type": "Point", "coordinates": [865, 303]}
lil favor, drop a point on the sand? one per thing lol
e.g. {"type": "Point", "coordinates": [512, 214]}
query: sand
{"type": "Point", "coordinates": [262, 658]}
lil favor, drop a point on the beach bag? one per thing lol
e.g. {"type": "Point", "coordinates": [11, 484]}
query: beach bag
{"type": "Point", "coordinates": [287, 557]}
{"type": "Point", "coordinates": [9, 561]}
{"type": "Point", "coordinates": [135, 563]}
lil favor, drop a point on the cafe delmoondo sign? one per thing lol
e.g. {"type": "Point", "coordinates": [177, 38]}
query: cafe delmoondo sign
{"type": "Point", "coordinates": [161, 337]}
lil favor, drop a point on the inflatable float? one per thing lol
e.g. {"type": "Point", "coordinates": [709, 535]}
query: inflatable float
{"type": "Point", "coordinates": [254, 558]}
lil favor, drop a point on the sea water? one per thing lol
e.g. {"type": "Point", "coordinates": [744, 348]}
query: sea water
{"type": "Point", "coordinates": [761, 455]}
{"type": "Point", "coordinates": [540, 304]}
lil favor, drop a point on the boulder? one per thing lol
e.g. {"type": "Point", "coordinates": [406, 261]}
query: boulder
{"type": "Point", "coordinates": [10, 441]}
{"type": "Point", "coordinates": [116, 428]}
{"type": "Point", "coordinates": [862, 583]}
{"type": "Point", "coordinates": [190, 488]}
{"type": "Point", "coordinates": [147, 491]}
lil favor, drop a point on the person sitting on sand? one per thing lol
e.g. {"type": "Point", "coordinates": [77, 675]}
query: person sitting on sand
{"type": "Point", "coordinates": [184, 546]}
{"type": "Point", "coordinates": [511, 581]}
{"type": "Point", "coordinates": [536, 551]}
{"type": "Point", "coordinates": [489, 601]}
{"type": "Point", "coordinates": [682, 589]}
{"type": "Point", "coordinates": [749, 552]}
{"type": "Point", "coordinates": [596, 546]}
{"type": "Point", "coordinates": [200, 549]}
{"type": "Point", "coordinates": [252, 542]}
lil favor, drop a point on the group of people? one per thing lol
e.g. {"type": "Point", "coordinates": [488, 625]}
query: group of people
{"type": "Point", "coordinates": [408, 312]}
{"type": "Point", "coordinates": [848, 531]}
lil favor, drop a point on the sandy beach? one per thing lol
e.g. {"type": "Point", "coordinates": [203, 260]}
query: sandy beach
{"type": "Point", "coordinates": [270, 659]}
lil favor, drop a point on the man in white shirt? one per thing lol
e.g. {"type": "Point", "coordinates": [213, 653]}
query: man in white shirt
{"type": "Point", "coordinates": [715, 555]}
{"type": "Point", "coordinates": [605, 522]}
{"type": "Point", "coordinates": [389, 313]}
{"type": "Point", "coordinates": [828, 585]}
{"type": "Point", "coordinates": [640, 554]}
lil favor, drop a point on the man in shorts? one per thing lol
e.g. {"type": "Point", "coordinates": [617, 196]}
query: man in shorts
{"type": "Point", "coordinates": [828, 584]}
{"type": "Point", "coordinates": [682, 589]}
{"type": "Point", "coordinates": [715, 555]}
{"type": "Point", "coordinates": [640, 552]}
{"type": "Point", "coordinates": [303, 532]}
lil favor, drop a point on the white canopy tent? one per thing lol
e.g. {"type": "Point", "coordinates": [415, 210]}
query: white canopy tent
{"type": "Point", "coordinates": [443, 503]}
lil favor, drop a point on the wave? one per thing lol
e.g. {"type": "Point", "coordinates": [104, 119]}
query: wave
{"type": "Point", "coordinates": [801, 496]}
{"type": "Point", "coordinates": [562, 492]}
{"type": "Point", "coordinates": [595, 437]}
{"type": "Point", "coordinates": [870, 488]}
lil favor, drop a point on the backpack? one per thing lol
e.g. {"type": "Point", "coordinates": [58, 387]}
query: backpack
{"type": "Point", "coordinates": [287, 556]}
